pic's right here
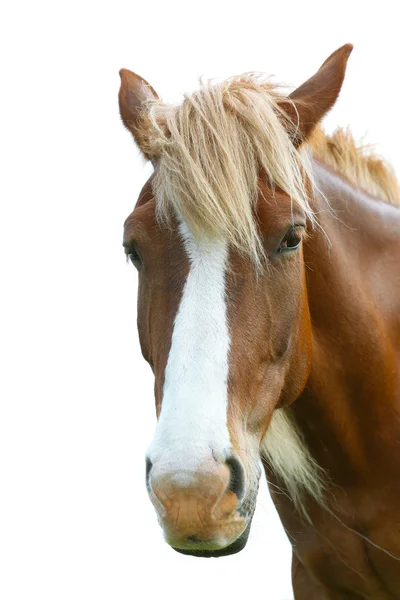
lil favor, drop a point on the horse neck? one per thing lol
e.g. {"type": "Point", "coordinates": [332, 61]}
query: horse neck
{"type": "Point", "coordinates": [349, 412]}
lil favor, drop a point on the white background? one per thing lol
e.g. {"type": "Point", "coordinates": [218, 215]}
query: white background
{"type": "Point", "coordinates": [77, 402]}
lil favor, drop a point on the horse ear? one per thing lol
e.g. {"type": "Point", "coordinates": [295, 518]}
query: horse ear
{"type": "Point", "coordinates": [310, 102]}
{"type": "Point", "coordinates": [133, 94]}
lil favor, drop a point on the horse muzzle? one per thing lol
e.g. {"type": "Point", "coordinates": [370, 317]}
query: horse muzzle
{"type": "Point", "coordinates": [199, 510]}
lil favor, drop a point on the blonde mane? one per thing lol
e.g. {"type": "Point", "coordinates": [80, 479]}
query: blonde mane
{"type": "Point", "coordinates": [211, 150]}
{"type": "Point", "coordinates": [212, 147]}
{"type": "Point", "coordinates": [285, 451]}
{"type": "Point", "coordinates": [359, 164]}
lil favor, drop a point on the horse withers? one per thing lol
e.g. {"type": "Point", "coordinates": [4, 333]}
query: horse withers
{"type": "Point", "coordinates": [268, 256]}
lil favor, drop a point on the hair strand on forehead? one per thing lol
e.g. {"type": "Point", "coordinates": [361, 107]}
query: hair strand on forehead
{"type": "Point", "coordinates": [212, 149]}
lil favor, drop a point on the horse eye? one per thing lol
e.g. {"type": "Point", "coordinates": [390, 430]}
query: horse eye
{"type": "Point", "coordinates": [291, 241]}
{"type": "Point", "coordinates": [135, 258]}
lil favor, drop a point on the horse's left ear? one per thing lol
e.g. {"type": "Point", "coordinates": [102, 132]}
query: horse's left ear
{"type": "Point", "coordinates": [133, 95]}
{"type": "Point", "coordinates": [310, 102]}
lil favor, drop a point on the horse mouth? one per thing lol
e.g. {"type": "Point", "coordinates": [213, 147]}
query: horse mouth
{"type": "Point", "coordinates": [234, 548]}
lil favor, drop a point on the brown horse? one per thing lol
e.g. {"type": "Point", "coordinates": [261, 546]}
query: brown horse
{"type": "Point", "coordinates": [269, 310]}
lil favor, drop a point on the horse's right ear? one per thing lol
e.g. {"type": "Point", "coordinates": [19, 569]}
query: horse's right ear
{"type": "Point", "coordinates": [133, 94]}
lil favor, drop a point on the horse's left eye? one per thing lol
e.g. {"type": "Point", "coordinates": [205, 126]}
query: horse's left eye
{"type": "Point", "coordinates": [291, 241]}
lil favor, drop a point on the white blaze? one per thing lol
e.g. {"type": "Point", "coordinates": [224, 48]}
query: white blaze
{"type": "Point", "coordinates": [192, 427]}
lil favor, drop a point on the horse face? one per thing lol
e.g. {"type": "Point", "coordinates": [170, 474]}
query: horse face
{"type": "Point", "coordinates": [227, 346]}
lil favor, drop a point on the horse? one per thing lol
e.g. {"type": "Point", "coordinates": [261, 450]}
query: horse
{"type": "Point", "coordinates": [268, 255]}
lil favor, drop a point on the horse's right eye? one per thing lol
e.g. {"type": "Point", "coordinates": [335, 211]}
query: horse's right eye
{"type": "Point", "coordinates": [135, 259]}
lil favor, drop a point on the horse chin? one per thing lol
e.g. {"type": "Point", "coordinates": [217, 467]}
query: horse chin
{"type": "Point", "coordinates": [234, 548]}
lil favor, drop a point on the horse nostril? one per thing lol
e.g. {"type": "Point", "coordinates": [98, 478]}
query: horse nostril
{"type": "Point", "coordinates": [149, 466]}
{"type": "Point", "coordinates": [236, 482]}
